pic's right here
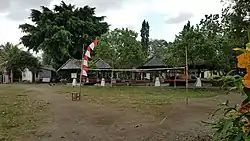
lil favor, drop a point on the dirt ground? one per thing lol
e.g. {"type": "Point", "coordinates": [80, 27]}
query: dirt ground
{"type": "Point", "coordinates": [83, 121]}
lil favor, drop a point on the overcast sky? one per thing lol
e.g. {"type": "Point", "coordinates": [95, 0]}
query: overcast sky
{"type": "Point", "coordinates": [166, 17]}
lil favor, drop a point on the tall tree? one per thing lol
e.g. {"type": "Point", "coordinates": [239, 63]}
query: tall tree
{"type": "Point", "coordinates": [192, 39]}
{"type": "Point", "coordinates": [62, 32]}
{"type": "Point", "coordinates": [236, 20]}
{"type": "Point", "coordinates": [199, 49]}
{"type": "Point", "coordinates": [218, 41]}
{"type": "Point", "coordinates": [145, 36]}
{"type": "Point", "coordinates": [207, 44]}
{"type": "Point", "coordinates": [120, 49]}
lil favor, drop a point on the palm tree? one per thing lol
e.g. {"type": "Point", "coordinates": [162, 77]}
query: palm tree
{"type": "Point", "coordinates": [7, 52]}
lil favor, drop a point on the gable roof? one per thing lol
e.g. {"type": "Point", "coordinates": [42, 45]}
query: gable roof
{"type": "Point", "coordinates": [100, 64]}
{"type": "Point", "coordinates": [70, 64]}
{"type": "Point", "coordinates": [154, 61]}
{"type": "Point", "coordinates": [48, 68]}
{"type": "Point", "coordinates": [76, 64]}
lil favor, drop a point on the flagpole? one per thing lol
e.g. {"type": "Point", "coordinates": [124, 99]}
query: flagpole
{"type": "Point", "coordinates": [186, 58]}
{"type": "Point", "coordinates": [80, 89]}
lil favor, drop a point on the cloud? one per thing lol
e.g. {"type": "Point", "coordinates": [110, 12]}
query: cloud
{"type": "Point", "coordinates": [120, 13]}
{"type": "Point", "coordinates": [102, 5]}
{"type": "Point", "coordinates": [4, 4]}
{"type": "Point", "coordinates": [181, 17]}
{"type": "Point", "coordinates": [19, 9]}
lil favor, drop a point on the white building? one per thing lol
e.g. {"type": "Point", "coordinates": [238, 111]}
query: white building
{"type": "Point", "coordinates": [44, 75]}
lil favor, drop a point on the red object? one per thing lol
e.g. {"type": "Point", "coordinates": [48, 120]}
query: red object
{"type": "Point", "coordinates": [244, 108]}
{"type": "Point", "coordinates": [84, 68]}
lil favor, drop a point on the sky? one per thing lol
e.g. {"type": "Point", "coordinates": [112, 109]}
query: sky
{"type": "Point", "coordinates": [166, 17]}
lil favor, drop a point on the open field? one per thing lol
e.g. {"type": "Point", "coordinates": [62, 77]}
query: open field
{"type": "Point", "coordinates": [19, 114]}
{"type": "Point", "coordinates": [43, 112]}
{"type": "Point", "coordinates": [147, 100]}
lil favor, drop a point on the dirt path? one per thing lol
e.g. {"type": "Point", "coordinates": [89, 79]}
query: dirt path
{"type": "Point", "coordinates": [78, 121]}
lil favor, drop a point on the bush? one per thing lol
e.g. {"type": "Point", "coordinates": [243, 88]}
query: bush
{"type": "Point", "coordinates": [234, 124]}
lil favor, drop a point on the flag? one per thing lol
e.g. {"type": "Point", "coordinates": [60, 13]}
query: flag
{"type": "Point", "coordinates": [85, 58]}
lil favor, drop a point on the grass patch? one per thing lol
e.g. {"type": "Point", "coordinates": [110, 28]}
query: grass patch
{"type": "Point", "coordinates": [148, 100]}
{"type": "Point", "coordinates": [19, 114]}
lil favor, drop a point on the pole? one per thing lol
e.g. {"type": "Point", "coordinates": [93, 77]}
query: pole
{"type": "Point", "coordinates": [80, 89]}
{"type": "Point", "coordinates": [186, 75]}
{"type": "Point", "coordinates": [112, 73]}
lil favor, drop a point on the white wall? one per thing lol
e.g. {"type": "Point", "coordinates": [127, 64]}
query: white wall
{"type": "Point", "coordinates": [207, 74]}
{"type": "Point", "coordinates": [27, 75]}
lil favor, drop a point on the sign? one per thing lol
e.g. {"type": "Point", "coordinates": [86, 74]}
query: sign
{"type": "Point", "coordinates": [73, 75]}
{"type": "Point", "coordinates": [46, 80]}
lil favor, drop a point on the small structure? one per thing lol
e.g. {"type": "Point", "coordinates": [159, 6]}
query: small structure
{"type": "Point", "coordinates": [7, 75]}
{"type": "Point", "coordinates": [153, 62]}
{"type": "Point", "coordinates": [157, 82]}
{"type": "Point", "coordinates": [94, 76]}
{"type": "Point", "coordinates": [155, 67]}
{"type": "Point", "coordinates": [75, 96]}
{"type": "Point", "coordinates": [45, 74]}
{"type": "Point", "coordinates": [103, 82]}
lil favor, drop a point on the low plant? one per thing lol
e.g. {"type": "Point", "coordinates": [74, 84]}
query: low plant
{"type": "Point", "coordinates": [234, 124]}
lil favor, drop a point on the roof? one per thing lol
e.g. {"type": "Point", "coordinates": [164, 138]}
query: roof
{"type": "Point", "coordinates": [48, 68]}
{"type": "Point", "coordinates": [153, 62]}
{"type": "Point", "coordinates": [70, 64]}
{"type": "Point", "coordinates": [75, 64]}
{"type": "Point", "coordinates": [100, 64]}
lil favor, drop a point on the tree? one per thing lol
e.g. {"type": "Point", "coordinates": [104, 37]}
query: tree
{"type": "Point", "coordinates": [120, 49]}
{"type": "Point", "coordinates": [192, 39]}
{"type": "Point", "coordinates": [211, 26]}
{"type": "Point", "coordinates": [157, 47]}
{"type": "Point", "coordinates": [206, 44]}
{"type": "Point", "coordinates": [235, 19]}
{"type": "Point", "coordinates": [218, 41]}
{"type": "Point", "coordinates": [46, 59]}
{"type": "Point", "coordinates": [62, 32]}
{"type": "Point", "coordinates": [17, 60]}
{"type": "Point", "coordinates": [145, 36]}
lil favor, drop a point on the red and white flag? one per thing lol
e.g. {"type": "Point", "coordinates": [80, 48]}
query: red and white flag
{"type": "Point", "coordinates": [84, 64]}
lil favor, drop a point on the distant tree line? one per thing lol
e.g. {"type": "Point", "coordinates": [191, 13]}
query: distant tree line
{"type": "Point", "coordinates": [62, 32]}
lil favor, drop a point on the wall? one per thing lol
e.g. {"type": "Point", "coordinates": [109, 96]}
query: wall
{"type": "Point", "coordinates": [44, 74]}
{"type": "Point", "coordinates": [27, 75]}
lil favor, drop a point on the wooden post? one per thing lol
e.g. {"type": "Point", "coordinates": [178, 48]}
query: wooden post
{"type": "Point", "coordinates": [80, 85]}
{"type": "Point", "coordinates": [186, 69]}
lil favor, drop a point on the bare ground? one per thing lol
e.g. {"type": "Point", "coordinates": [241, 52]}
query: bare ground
{"type": "Point", "coordinates": [82, 121]}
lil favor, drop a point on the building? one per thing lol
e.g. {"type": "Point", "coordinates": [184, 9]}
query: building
{"type": "Point", "coordinates": [44, 75]}
{"type": "Point", "coordinates": [155, 67]}
{"type": "Point", "coordinates": [101, 70]}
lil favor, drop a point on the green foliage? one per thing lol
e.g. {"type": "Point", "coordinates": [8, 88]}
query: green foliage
{"type": "Point", "coordinates": [91, 64]}
{"type": "Point", "coordinates": [62, 31]}
{"type": "Point", "coordinates": [205, 43]}
{"type": "Point", "coordinates": [16, 59]}
{"type": "Point", "coordinates": [46, 59]}
{"type": "Point", "coordinates": [234, 124]}
{"type": "Point", "coordinates": [231, 126]}
{"type": "Point", "coordinates": [235, 19]}
{"type": "Point", "coordinates": [120, 49]}
{"type": "Point", "coordinates": [233, 81]}
{"type": "Point", "coordinates": [191, 38]}
{"type": "Point", "coordinates": [145, 36]}
{"type": "Point", "coordinates": [158, 48]}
